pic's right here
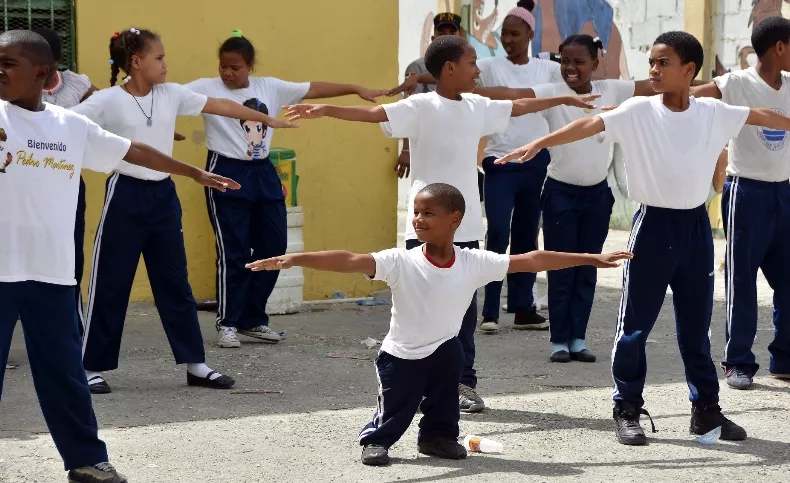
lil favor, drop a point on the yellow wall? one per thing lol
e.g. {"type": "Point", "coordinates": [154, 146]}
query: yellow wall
{"type": "Point", "coordinates": [347, 187]}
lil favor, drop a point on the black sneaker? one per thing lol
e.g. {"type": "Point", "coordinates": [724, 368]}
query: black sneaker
{"type": "Point", "coordinates": [629, 431]}
{"type": "Point", "coordinates": [560, 356]}
{"type": "Point", "coordinates": [447, 448]}
{"type": "Point", "coordinates": [375, 455]}
{"type": "Point", "coordinates": [738, 378]}
{"type": "Point", "coordinates": [706, 418]}
{"type": "Point", "coordinates": [98, 385]}
{"type": "Point", "coordinates": [468, 400]}
{"type": "Point", "coordinates": [530, 321]}
{"type": "Point", "coordinates": [489, 325]}
{"type": "Point", "coordinates": [99, 473]}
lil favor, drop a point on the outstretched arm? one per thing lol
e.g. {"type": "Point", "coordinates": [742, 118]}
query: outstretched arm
{"type": "Point", "coordinates": [505, 93]}
{"type": "Point", "coordinates": [345, 113]}
{"type": "Point", "coordinates": [234, 110]}
{"type": "Point", "coordinates": [644, 88]}
{"type": "Point", "coordinates": [762, 116]}
{"type": "Point", "coordinates": [544, 261]}
{"type": "Point", "coordinates": [329, 261]}
{"type": "Point", "coordinates": [324, 90]}
{"type": "Point", "coordinates": [528, 106]}
{"type": "Point", "coordinates": [411, 82]}
{"type": "Point", "coordinates": [709, 89]}
{"type": "Point", "coordinates": [575, 131]}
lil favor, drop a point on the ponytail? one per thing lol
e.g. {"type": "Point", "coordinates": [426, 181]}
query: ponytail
{"type": "Point", "coordinates": [125, 45]}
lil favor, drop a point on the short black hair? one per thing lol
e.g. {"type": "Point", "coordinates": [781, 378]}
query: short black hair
{"type": "Point", "coordinates": [53, 39]}
{"type": "Point", "coordinates": [768, 33]}
{"type": "Point", "coordinates": [240, 45]}
{"type": "Point", "coordinates": [34, 46]}
{"type": "Point", "coordinates": [593, 44]}
{"type": "Point", "coordinates": [447, 48]}
{"type": "Point", "coordinates": [686, 46]}
{"type": "Point", "coordinates": [447, 196]}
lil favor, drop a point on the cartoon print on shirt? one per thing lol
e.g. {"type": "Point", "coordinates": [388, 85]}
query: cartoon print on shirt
{"type": "Point", "coordinates": [8, 160]}
{"type": "Point", "coordinates": [255, 132]}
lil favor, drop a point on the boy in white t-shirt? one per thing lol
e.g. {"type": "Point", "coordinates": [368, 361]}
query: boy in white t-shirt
{"type": "Point", "coordinates": [38, 191]}
{"type": "Point", "coordinates": [755, 205]}
{"type": "Point", "coordinates": [421, 358]}
{"type": "Point", "coordinates": [444, 129]}
{"type": "Point", "coordinates": [671, 144]}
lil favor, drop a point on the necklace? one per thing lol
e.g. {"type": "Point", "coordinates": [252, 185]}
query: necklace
{"type": "Point", "coordinates": [149, 122]}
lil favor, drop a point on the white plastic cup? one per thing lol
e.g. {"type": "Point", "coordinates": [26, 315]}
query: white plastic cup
{"type": "Point", "coordinates": [476, 444]}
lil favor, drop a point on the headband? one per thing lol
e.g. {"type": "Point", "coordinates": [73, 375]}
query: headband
{"type": "Point", "coordinates": [524, 15]}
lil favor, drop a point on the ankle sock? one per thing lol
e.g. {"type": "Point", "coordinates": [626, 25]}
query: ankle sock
{"type": "Point", "coordinates": [558, 347]}
{"type": "Point", "coordinates": [90, 375]}
{"type": "Point", "coordinates": [202, 370]}
{"type": "Point", "coordinates": [577, 345]}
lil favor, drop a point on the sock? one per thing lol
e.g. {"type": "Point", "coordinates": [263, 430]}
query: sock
{"type": "Point", "coordinates": [90, 374]}
{"type": "Point", "coordinates": [577, 345]}
{"type": "Point", "coordinates": [201, 370]}
{"type": "Point", "coordinates": [558, 347]}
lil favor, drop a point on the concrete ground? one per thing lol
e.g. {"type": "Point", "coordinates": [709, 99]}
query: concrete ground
{"type": "Point", "coordinates": [553, 419]}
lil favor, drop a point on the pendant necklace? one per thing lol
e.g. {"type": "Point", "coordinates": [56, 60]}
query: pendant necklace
{"type": "Point", "coordinates": [149, 121]}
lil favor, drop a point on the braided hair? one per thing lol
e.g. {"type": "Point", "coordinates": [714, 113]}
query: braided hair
{"type": "Point", "coordinates": [123, 46]}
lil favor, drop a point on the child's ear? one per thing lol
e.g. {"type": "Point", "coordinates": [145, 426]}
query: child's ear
{"type": "Point", "coordinates": [596, 63]}
{"type": "Point", "coordinates": [456, 220]}
{"type": "Point", "coordinates": [42, 72]}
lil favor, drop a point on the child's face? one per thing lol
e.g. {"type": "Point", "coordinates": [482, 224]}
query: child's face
{"type": "Point", "coordinates": [577, 65]}
{"type": "Point", "coordinates": [151, 64]}
{"type": "Point", "coordinates": [515, 36]}
{"type": "Point", "coordinates": [463, 75]}
{"type": "Point", "coordinates": [234, 70]}
{"type": "Point", "coordinates": [667, 72]}
{"type": "Point", "coordinates": [19, 78]}
{"type": "Point", "coordinates": [432, 222]}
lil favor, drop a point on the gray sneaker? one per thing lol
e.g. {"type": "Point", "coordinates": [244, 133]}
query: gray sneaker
{"type": "Point", "coordinates": [469, 401]}
{"type": "Point", "coordinates": [99, 473]}
{"type": "Point", "coordinates": [262, 332]}
{"type": "Point", "coordinates": [738, 378]}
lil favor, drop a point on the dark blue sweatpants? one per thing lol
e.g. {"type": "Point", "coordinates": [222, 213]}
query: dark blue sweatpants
{"type": "Point", "coordinates": [79, 251]}
{"type": "Point", "coordinates": [404, 383]}
{"type": "Point", "coordinates": [139, 217]}
{"type": "Point", "coordinates": [671, 248]}
{"type": "Point", "coordinates": [467, 334]}
{"type": "Point", "coordinates": [249, 224]}
{"type": "Point", "coordinates": [575, 220]}
{"type": "Point", "coordinates": [756, 218]}
{"type": "Point", "coordinates": [52, 338]}
{"type": "Point", "coordinates": [512, 201]}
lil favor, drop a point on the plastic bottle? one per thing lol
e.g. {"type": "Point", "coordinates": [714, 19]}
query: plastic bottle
{"type": "Point", "coordinates": [476, 444]}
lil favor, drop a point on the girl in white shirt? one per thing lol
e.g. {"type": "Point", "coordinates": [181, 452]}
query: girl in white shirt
{"type": "Point", "coordinates": [142, 213]}
{"type": "Point", "coordinates": [252, 219]}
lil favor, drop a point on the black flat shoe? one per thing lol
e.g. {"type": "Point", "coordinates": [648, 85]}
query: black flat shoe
{"type": "Point", "coordinates": [583, 355]}
{"type": "Point", "coordinates": [100, 387]}
{"type": "Point", "coordinates": [560, 356]}
{"type": "Point", "coordinates": [221, 382]}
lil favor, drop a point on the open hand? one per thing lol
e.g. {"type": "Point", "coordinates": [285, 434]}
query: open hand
{"type": "Point", "coordinates": [522, 154]}
{"type": "Point", "coordinates": [582, 101]}
{"type": "Point", "coordinates": [215, 181]}
{"type": "Point", "coordinates": [305, 111]}
{"type": "Point", "coordinates": [370, 95]}
{"type": "Point", "coordinates": [609, 260]}
{"type": "Point", "coordinates": [408, 86]}
{"type": "Point", "coordinates": [282, 262]}
{"type": "Point", "coordinates": [610, 108]}
{"type": "Point", "coordinates": [403, 167]}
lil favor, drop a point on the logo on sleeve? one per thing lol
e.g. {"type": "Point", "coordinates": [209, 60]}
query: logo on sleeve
{"type": "Point", "coordinates": [773, 139]}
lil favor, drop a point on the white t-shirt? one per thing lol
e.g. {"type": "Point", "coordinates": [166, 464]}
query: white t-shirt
{"type": "Point", "coordinates": [42, 154]}
{"type": "Point", "coordinates": [498, 71]}
{"type": "Point", "coordinates": [69, 91]}
{"type": "Point", "coordinates": [585, 162]}
{"type": "Point", "coordinates": [428, 302]}
{"type": "Point", "coordinates": [443, 137]}
{"type": "Point", "coordinates": [246, 139]}
{"type": "Point", "coordinates": [670, 156]}
{"type": "Point", "coordinates": [119, 112]}
{"type": "Point", "coordinates": [757, 152]}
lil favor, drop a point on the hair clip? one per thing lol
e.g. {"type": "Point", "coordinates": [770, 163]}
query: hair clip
{"type": "Point", "coordinates": [112, 62]}
{"type": "Point", "coordinates": [597, 40]}
{"type": "Point", "coordinates": [134, 31]}
{"type": "Point", "coordinates": [116, 35]}
{"type": "Point", "coordinates": [127, 79]}
{"type": "Point", "coordinates": [236, 33]}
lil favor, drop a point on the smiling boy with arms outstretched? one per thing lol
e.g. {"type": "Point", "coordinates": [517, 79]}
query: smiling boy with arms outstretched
{"type": "Point", "coordinates": [671, 143]}
{"type": "Point", "coordinates": [421, 358]}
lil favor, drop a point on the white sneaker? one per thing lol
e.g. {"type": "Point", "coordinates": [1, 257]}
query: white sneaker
{"type": "Point", "coordinates": [226, 337]}
{"type": "Point", "coordinates": [262, 332]}
{"type": "Point", "coordinates": [542, 303]}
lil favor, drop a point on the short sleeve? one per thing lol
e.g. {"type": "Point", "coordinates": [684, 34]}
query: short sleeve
{"type": "Point", "coordinates": [728, 84]}
{"type": "Point", "coordinates": [190, 103]}
{"type": "Point", "coordinates": [403, 119]}
{"type": "Point", "coordinates": [486, 74]}
{"type": "Point", "coordinates": [201, 86]}
{"type": "Point", "coordinates": [555, 72]}
{"type": "Point", "coordinates": [81, 83]}
{"type": "Point", "coordinates": [387, 263]}
{"type": "Point", "coordinates": [544, 90]}
{"type": "Point", "coordinates": [93, 107]}
{"type": "Point", "coordinates": [491, 267]}
{"type": "Point", "coordinates": [287, 93]}
{"type": "Point", "coordinates": [622, 89]}
{"type": "Point", "coordinates": [728, 121]}
{"type": "Point", "coordinates": [103, 149]}
{"type": "Point", "coordinates": [497, 116]}
{"type": "Point", "coordinates": [616, 123]}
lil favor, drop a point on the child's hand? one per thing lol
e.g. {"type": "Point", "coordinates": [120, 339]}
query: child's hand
{"type": "Point", "coordinates": [609, 260]}
{"type": "Point", "coordinates": [370, 95]}
{"type": "Point", "coordinates": [282, 262]}
{"type": "Point", "coordinates": [305, 111]}
{"type": "Point", "coordinates": [582, 101]}
{"type": "Point", "coordinates": [212, 180]}
{"type": "Point", "coordinates": [610, 108]}
{"type": "Point", "coordinates": [178, 137]}
{"type": "Point", "coordinates": [408, 86]}
{"type": "Point", "coordinates": [522, 154]}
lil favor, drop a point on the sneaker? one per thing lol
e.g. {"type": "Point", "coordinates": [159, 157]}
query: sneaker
{"type": "Point", "coordinates": [542, 303]}
{"type": "Point", "coordinates": [468, 400]}
{"type": "Point", "coordinates": [99, 473]}
{"type": "Point", "coordinates": [375, 455]}
{"type": "Point", "coordinates": [706, 418]}
{"type": "Point", "coordinates": [560, 356]}
{"type": "Point", "coordinates": [489, 325]}
{"type": "Point", "coordinates": [738, 378]}
{"type": "Point", "coordinates": [530, 321]}
{"type": "Point", "coordinates": [629, 431]}
{"type": "Point", "coordinates": [262, 332]}
{"type": "Point", "coordinates": [447, 448]}
{"type": "Point", "coordinates": [226, 337]}
{"type": "Point", "coordinates": [98, 385]}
